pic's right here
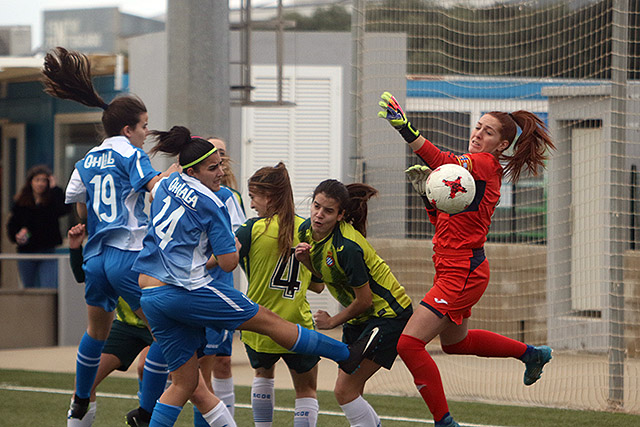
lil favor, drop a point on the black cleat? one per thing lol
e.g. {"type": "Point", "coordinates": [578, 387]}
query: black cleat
{"type": "Point", "coordinates": [138, 418]}
{"type": "Point", "coordinates": [359, 350]}
{"type": "Point", "coordinates": [78, 408]}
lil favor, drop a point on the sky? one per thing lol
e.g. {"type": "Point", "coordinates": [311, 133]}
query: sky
{"type": "Point", "coordinates": [30, 12]}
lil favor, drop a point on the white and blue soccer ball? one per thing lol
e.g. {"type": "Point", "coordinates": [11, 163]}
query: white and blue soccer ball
{"type": "Point", "coordinates": [450, 188]}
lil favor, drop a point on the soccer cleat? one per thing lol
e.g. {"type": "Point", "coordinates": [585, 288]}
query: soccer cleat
{"type": "Point", "coordinates": [447, 421]}
{"type": "Point", "coordinates": [138, 418]}
{"type": "Point", "coordinates": [79, 417]}
{"type": "Point", "coordinates": [78, 408]}
{"type": "Point", "coordinates": [359, 350]}
{"type": "Point", "coordinates": [540, 356]}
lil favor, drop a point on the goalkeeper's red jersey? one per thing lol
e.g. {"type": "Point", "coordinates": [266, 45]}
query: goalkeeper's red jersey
{"type": "Point", "coordinates": [467, 229]}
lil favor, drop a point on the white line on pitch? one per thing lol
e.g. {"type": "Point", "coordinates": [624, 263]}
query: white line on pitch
{"type": "Point", "coordinates": [10, 387]}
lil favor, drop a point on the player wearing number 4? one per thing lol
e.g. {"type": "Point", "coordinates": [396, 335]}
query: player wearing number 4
{"type": "Point", "coordinates": [189, 224]}
{"type": "Point", "coordinates": [108, 187]}
{"type": "Point", "coordinates": [334, 248]}
{"type": "Point", "coordinates": [279, 283]}
{"type": "Point", "coordinates": [462, 271]}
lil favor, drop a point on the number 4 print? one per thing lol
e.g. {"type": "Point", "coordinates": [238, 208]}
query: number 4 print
{"type": "Point", "coordinates": [285, 276]}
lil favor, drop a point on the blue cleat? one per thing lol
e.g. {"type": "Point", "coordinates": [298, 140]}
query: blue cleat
{"type": "Point", "coordinates": [534, 362]}
{"type": "Point", "coordinates": [447, 421]}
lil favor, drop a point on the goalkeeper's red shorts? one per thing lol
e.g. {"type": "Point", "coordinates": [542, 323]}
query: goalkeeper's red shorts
{"type": "Point", "coordinates": [461, 278]}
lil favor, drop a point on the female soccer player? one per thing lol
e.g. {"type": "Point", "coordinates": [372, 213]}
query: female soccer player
{"type": "Point", "coordinates": [180, 299]}
{"type": "Point", "coordinates": [335, 250]}
{"type": "Point", "coordinates": [277, 282]}
{"type": "Point", "coordinates": [462, 271]}
{"type": "Point", "coordinates": [216, 363]}
{"type": "Point", "coordinates": [108, 187]}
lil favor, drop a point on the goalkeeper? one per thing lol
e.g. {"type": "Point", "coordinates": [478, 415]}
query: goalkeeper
{"type": "Point", "coordinates": [462, 271]}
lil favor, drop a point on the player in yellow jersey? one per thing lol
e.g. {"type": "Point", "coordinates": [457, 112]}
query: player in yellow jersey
{"type": "Point", "coordinates": [334, 248]}
{"type": "Point", "coordinates": [276, 281]}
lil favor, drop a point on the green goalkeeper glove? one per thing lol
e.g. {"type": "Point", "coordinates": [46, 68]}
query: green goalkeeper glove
{"type": "Point", "coordinates": [418, 175]}
{"type": "Point", "coordinates": [394, 114]}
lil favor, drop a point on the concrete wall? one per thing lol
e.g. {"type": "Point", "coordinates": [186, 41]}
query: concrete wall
{"type": "Point", "coordinates": [28, 317]}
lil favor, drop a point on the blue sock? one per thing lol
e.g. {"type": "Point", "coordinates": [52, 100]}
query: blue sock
{"type": "Point", "coordinates": [154, 377]}
{"type": "Point", "coordinates": [528, 353]}
{"type": "Point", "coordinates": [87, 362]}
{"type": "Point", "coordinates": [312, 342]}
{"type": "Point", "coordinates": [198, 419]}
{"type": "Point", "coordinates": [164, 415]}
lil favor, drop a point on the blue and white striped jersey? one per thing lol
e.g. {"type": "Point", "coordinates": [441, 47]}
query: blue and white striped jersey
{"type": "Point", "coordinates": [111, 180]}
{"type": "Point", "coordinates": [188, 224]}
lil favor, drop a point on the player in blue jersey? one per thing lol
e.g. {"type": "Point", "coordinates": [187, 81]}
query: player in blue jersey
{"type": "Point", "coordinates": [180, 298]}
{"type": "Point", "coordinates": [216, 357]}
{"type": "Point", "coordinates": [108, 187]}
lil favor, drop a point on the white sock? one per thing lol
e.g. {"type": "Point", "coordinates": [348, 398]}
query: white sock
{"type": "Point", "coordinates": [223, 388]}
{"type": "Point", "coordinates": [306, 412]}
{"type": "Point", "coordinates": [219, 416]}
{"type": "Point", "coordinates": [263, 400]}
{"type": "Point", "coordinates": [360, 414]}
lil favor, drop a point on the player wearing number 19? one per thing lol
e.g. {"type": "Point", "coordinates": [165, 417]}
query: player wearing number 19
{"type": "Point", "coordinates": [189, 224]}
{"type": "Point", "coordinates": [108, 187]}
{"type": "Point", "coordinates": [278, 282]}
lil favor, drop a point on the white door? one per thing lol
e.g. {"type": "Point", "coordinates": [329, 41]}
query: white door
{"type": "Point", "coordinates": [307, 136]}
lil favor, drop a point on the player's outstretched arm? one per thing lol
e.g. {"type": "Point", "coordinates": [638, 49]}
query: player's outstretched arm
{"type": "Point", "coordinates": [393, 113]}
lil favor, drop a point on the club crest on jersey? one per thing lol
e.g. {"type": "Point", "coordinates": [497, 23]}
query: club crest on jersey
{"type": "Point", "coordinates": [329, 260]}
{"type": "Point", "coordinates": [465, 162]}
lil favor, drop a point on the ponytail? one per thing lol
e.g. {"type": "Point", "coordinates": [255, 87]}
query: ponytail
{"type": "Point", "coordinates": [67, 75]}
{"type": "Point", "coordinates": [530, 147]}
{"type": "Point", "coordinates": [274, 183]}
{"type": "Point", "coordinates": [179, 142]}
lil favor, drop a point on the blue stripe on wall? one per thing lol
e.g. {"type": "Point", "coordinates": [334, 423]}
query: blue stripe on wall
{"type": "Point", "coordinates": [486, 89]}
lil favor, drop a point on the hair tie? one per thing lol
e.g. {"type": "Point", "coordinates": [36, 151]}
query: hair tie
{"type": "Point", "coordinates": [188, 165]}
{"type": "Point", "coordinates": [104, 106]}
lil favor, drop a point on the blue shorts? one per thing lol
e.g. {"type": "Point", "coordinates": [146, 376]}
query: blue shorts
{"type": "Point", "coordinates": [110, 275]}
{"type": "Point", "coordinates": [219, 342]}
{"type": "Point", "coordinates": [178, 317]}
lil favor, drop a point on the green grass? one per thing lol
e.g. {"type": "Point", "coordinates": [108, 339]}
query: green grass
{"type": "Point", "coordinates": [22, 408]}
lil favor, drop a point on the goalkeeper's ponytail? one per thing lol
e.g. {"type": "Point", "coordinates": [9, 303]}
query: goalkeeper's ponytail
{"type": "Point", "coordinates": [530, 148]}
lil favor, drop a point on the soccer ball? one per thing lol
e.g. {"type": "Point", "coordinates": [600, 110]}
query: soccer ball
{"type": "Point", "coordinates": [450, 188]}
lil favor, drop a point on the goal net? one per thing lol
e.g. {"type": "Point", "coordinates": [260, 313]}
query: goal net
{"type": "Point", "coordinates": [565, 266]}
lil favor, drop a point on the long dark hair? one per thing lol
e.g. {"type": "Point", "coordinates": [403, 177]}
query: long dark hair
{"type": "Point", "coordinates": [179, 142]}
{"type": "Point", "coordinates": [274, 183]}
{"type": "Point", "coordinates": [67, 75]}
{"type": "Point", "coordinates": [25, 197]}
{"type": "Point", "coordinates": [352, 200]}
{"type": "Point", "coordinates": [531, 146]}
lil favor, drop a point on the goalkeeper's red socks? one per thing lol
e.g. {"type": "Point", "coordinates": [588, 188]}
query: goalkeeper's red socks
{"type": "Point", "coordinates": [487, 344]}
{"type": "Point", "coordinates": [426, 375]}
